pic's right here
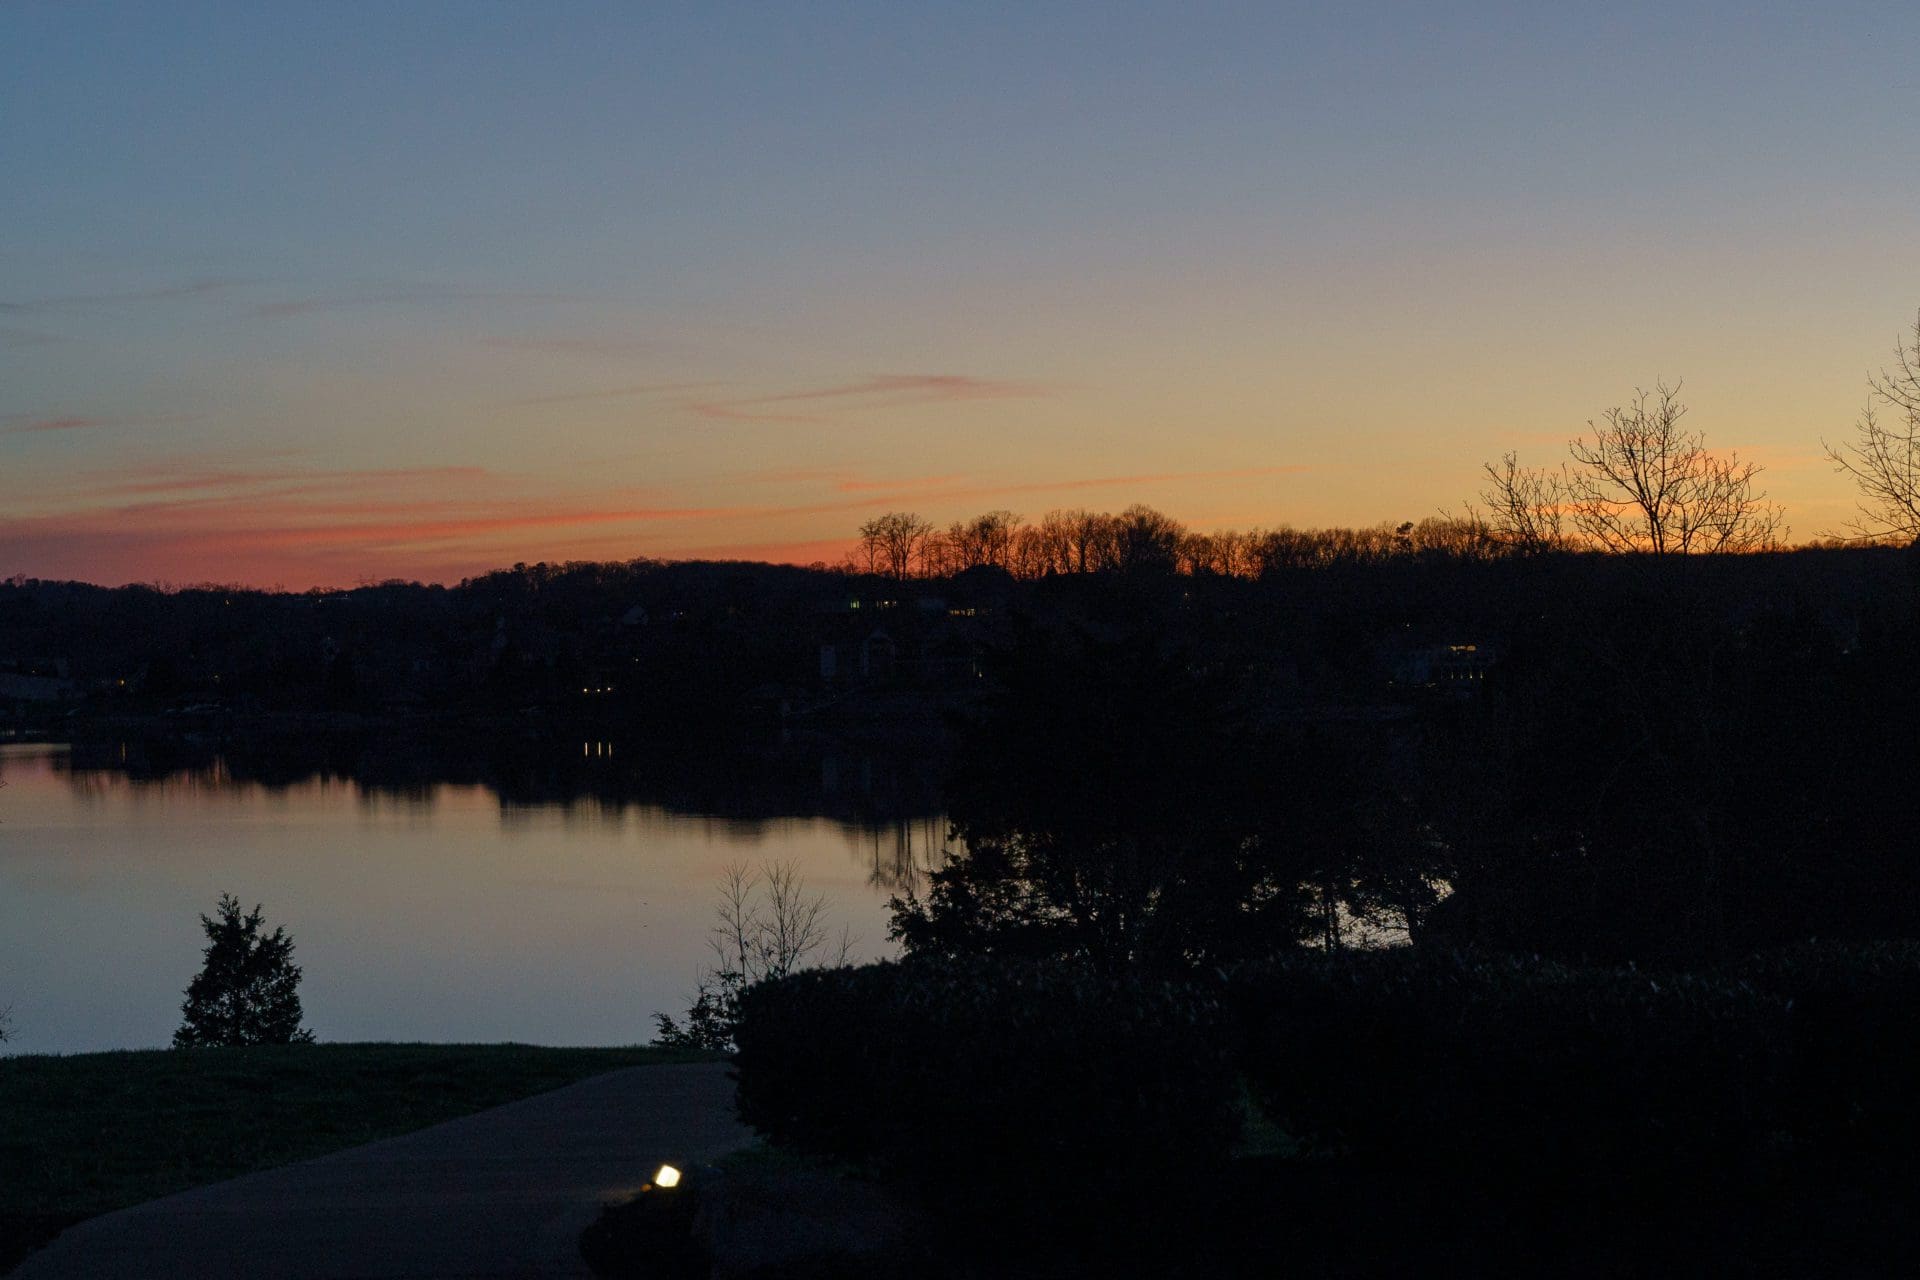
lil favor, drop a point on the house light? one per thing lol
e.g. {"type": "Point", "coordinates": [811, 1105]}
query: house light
{"type": "Point", "coordinates": [667, 1178]}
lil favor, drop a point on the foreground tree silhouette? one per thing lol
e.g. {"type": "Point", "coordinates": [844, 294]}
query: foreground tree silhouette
{"type": "Point", "coordinates": [1884, 458]}
{"type": "Point", "coordinates": [1527, 506]}
{"type": "Point", "coordinates": [247, 991]}
{"type": "Point", "coordinates": [1645, 483]}
{"type": "Point", "coordinates": [1640, 483]}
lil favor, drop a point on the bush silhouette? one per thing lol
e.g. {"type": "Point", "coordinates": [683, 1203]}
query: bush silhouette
{"type": "Point", "coordinates": [247, 991]}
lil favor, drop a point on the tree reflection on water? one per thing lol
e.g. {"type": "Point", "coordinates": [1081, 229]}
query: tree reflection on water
{"type": "Point", "coordinates": [889, 800]}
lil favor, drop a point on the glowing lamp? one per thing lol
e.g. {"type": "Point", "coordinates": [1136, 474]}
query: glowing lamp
{"type": "Point", "coordinates": [667, 1178]}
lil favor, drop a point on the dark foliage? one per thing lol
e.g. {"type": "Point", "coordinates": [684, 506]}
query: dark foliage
{"type": "Point", "coordinates": [247, 992]}
{"type": "Point", "coordinates": [708, 1022]}
{"type": "Point", "coordinates": [1458, 1112]}
{"type": "Point", "coordinates": [650, 1237]}
{"type": "Point", "coordinates": [1002, 1091]}
{"type": "Point", "coordinates": [1855, 1025]}
{"type": "Point", "coordinates": [1109, 804]}
{"type": "Point", "coordinates": [1667, 769]}
{"type": "Point", "coordinates": [1513, 1072]}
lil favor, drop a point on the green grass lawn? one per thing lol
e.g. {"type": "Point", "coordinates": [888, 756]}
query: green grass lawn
{"type": "Point", "coordinates": [85, 1134]}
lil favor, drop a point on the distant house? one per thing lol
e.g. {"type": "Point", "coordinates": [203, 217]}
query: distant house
{"type": "Point", "coordinates": [1456, 667]}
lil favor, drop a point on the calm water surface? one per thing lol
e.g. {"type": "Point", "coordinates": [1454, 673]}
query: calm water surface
{"type": "Point", "coordinates": [438, 911]}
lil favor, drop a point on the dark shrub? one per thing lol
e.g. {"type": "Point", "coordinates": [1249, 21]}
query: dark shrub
{"type": "Point", "coordinates": [1594, 1080]}
{"type": "Point", "coordinates": [247, 992]}
{"type": "Point", "coordinates": [993, 1088]}
{"type": "Point", "coordinates": [1854, 1011]}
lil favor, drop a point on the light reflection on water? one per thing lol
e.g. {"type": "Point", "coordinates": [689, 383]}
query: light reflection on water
{"type": "Point", "coordinates": [540, 910]}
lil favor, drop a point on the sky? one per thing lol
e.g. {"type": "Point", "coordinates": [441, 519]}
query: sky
{"type": "Point", "coordinates": [308, 295]}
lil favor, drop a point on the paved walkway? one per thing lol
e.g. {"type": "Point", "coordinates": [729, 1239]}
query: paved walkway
{"type": "Point", "coordinates": [502, 1193]}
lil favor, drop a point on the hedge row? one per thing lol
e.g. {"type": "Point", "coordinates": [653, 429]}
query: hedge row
{"type": "Point", "coordinates": [982, 1082]}
{"type": "Point", "coordinates": [1854, 1053]}
{"type": "Point", "coordinates": [1498, 1068]}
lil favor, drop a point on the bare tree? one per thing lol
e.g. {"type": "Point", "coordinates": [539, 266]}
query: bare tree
{"type": "Point", "coordinates": [942, 554]}
{"type": "Point", "coordinates": [866, 556]}
{"type": "Point", "coordinates": [1464, 537]}
{"type": "Point", "coordinates": [1049, 544]}
{"type": "Point", "coordinates": [1030, 552]}
{"type": "Point", "coordinates": [1526, 506]}
{"type": "Point", "coordinates": [1090, 541]}
{"type": "Point", "coordinates": [1145, 538]}
{"type": "Point", "coordinates": [1884, 458]}
{"type": "Point", "coordinates": [1644, 483]}
{"type": "Point", "coordinates": [984, 540]}
{"type": "Point", "coordinates": [766, 926]}
{"type": "Point", "coordinates": [898, 539]}
{"type": "Point", "coordinates": [1198, 553]}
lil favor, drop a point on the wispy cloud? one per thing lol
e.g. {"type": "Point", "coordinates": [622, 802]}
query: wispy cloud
{"type": "Point", "coordinates": [23, 424]}
{"type": "Point", "coordinates": [614, 393]}
{"type": "Point", "coordinates": [11, 337]}
{"type": "Point", "coordinates": [34, 426]}
{"type": "Point", "coordinates": [399, 295]}
{"type": "Point", "coordinates": [165, 480]}
{"type": "Point", "coordinates": [830, 550]}
{"type": "Point", "coordinates": [897, 486]}
{"type": "Point", "coordinates": [731, 412]}
{"type": "Point", "coordinates": [922, 386]}
{"type": "Point", "coordinates": [886, 391]}
{"type": "Point", "coordinates": [74, 301]}
{"type": "Point", "coordinates": [576, 346]}
{"type": "Point", "coordinates": [954, 487]}
{"type": "Point", "coordinates": [1152, 477]}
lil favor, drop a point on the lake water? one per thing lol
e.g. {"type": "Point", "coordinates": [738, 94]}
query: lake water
{"type": "Point", "coordinates": [559, 896]}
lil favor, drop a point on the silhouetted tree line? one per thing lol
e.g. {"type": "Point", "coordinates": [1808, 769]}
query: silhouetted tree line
{"type": "Point", "coordinates": [650, 643]}
{"type": "Point", "coordinates": [1140, 539]}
